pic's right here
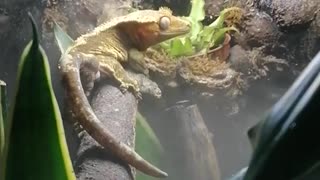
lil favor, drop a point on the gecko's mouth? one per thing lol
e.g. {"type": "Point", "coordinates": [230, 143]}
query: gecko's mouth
{"type": "Point", "coordinates": [167, 34]}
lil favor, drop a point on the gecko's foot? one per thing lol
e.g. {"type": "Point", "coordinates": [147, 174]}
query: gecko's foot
{"type": "Point", "coordinates": [78, 129]}
{"type": "Point", "coordinates": [136, 89]}
{"type": "Point", "coordinates": [88, 88]}
{"type": "Point", "coordinates": [123, 88]}
{"type": "Point", "coordinates": [89, 74]}
{"type": "Point", "coordinates": [138, 95]}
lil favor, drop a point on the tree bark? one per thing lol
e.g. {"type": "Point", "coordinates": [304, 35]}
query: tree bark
{"type": "Point", "coordinates": [117, 111]}
{"type": "Point", "coordinates": [193, 145]}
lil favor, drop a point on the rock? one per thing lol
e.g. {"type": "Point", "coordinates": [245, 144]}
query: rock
{"type": "Point", "coordinates": [239, 59]}
{"type": "Point", "coordinates": [291, 15]}
{"type": "Point", "coordinates": [259, 29]}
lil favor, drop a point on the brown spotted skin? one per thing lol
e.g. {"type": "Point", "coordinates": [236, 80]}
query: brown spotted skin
{"type": "Point", "coordinates": [104, 50]}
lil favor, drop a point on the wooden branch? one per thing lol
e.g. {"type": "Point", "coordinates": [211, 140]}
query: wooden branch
{"type": "Point", "coordinates": [117, 111]}
{"type": "Point", "coordinates": [193, 143]}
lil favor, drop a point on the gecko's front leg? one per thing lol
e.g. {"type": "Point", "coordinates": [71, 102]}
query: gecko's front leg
{"type": "Point", "coordinates": [113, 69]}
{"type": "Point", "coordinates": [139, 64]}
{"type": "Point", "coordinates": [137, 61]}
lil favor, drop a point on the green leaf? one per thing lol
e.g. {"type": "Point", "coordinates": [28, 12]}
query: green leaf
{"type": "Point", "coordinates": [182, 46]}
{"type": "Point", "coordinates": [63, 39]}
{"type": "Point", "coordinates": [204, 38]}
{"type": "Point", "coordinates": [3, 100]}
{"type": "Point", "coordinates": [147, 144]}
{"type": "Point", "coordinates": [218, 23]}
{"type": "Point", "coordinates": [197, 10]}
{"type": "Point", "coordinates": [3, 115]}
{"type": "Point", "coordinates": [218, 37]}
{"type": "Point", "coordinates": [197, 14]}
{"type": "Point", "coordinates": [165, 45]}
{"type": "Point", "coordinates": [195, 30]}
{"type": "Point", "coordinates": [201, 38]}
{"type": "Point", "coordinates": [178, 48]}
{"type": "Point", "coordinates": [35, 147]}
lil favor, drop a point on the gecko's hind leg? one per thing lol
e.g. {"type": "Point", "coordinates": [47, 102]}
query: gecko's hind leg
{"type": "Point", "coordinates": [113, 69]}
{"type": "Point", "coordinates": [89, 73]}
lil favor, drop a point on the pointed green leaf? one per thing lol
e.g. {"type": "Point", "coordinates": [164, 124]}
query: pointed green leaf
{"type": "Point", "coordinates": [178, 48]}
{"type": "Point", "coordinates": [35, 147]}
{"type": "Point", "coordinates": [3, 100]}
{"type": "Point", "coordinates": [218, 23]}
{"type": "Point", "coordinates": [2, 137]}
{"type": "Point", "coordinates": [63, 39]}
{"type": "Point", "coordinates": [147, 144]}
{"type": "Point", "coordinates": [3, 110]}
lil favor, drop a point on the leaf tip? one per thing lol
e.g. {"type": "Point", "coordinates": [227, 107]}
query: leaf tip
{"type": "Point", "coordinates": [35, 42]}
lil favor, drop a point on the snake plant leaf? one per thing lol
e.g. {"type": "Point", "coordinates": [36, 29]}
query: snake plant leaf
{"type": "Point", "coordinates": [63, 39]}
{"type": "Point", "coordinates": [287, 145]}
{"type": "Point", "coordinates": [3, 115]}
{"type": "Point", "coordinates": [147, 144]}
{"type": "Point", "coordinates": [146, 130]}
{"type": "Point", "coordinates": [2, 137]}
{"type": "Point", "coordinates": [3, 100]}
{"type": "Point", "coordinates": [35, 147]}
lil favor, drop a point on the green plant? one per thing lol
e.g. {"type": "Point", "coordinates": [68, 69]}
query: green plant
{"type": "Point", "coordinates": [3, 110]}
{"type": "Point", "coordinates": [35, 146]}
{"type": "Point", "coordinates": [201, 38]}
{"type": "Point", "coordinates": [147, 144]}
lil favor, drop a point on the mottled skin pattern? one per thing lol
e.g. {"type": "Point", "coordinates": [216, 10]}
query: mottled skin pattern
{"type": "Point", "coordinates": [104, 51]}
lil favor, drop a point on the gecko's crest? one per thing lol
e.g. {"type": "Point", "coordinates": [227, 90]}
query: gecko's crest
{"type": "Point", "coordinates": [165, 10]}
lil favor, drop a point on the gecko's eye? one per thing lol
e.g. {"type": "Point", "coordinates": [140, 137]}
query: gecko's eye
{"type": "Point", "coordinates": [164, 23]}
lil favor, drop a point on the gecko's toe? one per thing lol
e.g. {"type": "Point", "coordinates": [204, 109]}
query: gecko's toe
{"type": "Point", "coordinates": [123, 88]}
{"type": "Point", "coordinates": [138, 95]}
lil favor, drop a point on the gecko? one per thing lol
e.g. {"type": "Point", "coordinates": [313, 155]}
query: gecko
{"type": "Point", "coordinates": [104, 51]}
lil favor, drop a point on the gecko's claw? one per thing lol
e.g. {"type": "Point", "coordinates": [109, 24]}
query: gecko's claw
{"type": "Point", "coordinates": [138, 95]}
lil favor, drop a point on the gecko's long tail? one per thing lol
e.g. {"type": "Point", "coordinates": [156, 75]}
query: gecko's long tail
{"type": "Point", "coordinates": [94, 127]}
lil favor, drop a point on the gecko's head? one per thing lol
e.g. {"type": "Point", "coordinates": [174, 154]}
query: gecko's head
{"type": "Point", "coordinates": [151, 27]}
